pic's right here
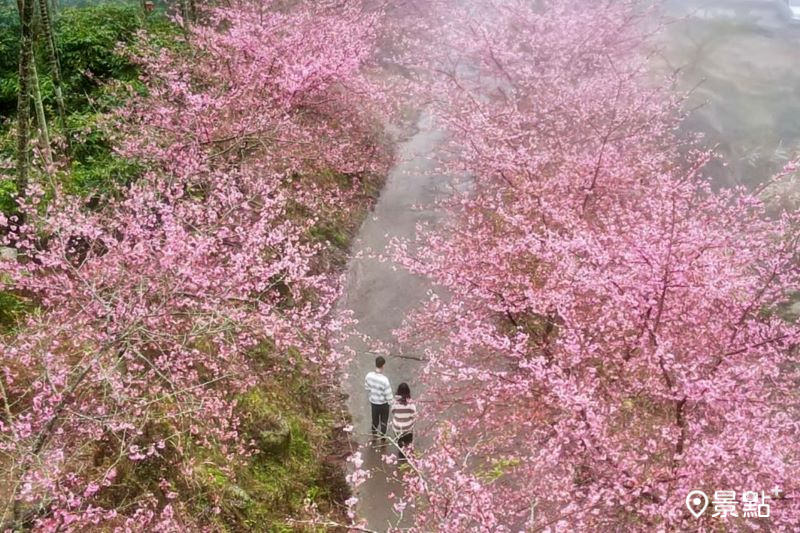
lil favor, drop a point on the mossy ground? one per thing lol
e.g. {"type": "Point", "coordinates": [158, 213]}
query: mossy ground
{"type": "Point", "coordinates": [298, 467]}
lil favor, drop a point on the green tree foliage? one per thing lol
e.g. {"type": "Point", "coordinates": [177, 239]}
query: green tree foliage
{"type": "Point", "coordinates": [96, 79]}
{"type": "Point", "coordinates": [9, 57]}
{"type": "Point", "coordinates": [87, 38]}
{"type": "Point", "coordinates": [87, 42]}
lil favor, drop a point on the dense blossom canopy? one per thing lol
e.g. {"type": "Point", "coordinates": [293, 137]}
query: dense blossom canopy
{"type": "Point", "coordinates": [152, 305]}
{"type": "Point", "coordinates": [615, 327]}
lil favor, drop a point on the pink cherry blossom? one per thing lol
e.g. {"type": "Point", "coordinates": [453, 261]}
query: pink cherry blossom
{"type": "Point", "coordinates": [611, 331]}
{"type": "Point", "coordinates": [153, 306]}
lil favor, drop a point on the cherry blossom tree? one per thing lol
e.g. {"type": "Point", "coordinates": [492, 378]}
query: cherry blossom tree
{"type": "Point", "coordinates": [613, 331]}
{"type": "Point", "coordinates": [156, 308]}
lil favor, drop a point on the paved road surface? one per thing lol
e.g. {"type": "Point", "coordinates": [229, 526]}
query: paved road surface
{"type": "Point", "coordinates": [381, 295]}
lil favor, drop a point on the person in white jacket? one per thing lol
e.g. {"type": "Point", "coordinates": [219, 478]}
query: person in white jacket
{"type": "Point", "coordinates": [380, 397]}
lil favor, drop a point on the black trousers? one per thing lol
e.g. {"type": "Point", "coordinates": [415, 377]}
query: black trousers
{"type": "Point", "coordinates": [380, 418]}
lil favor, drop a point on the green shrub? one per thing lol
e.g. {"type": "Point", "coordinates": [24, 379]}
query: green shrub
{"type": "Point", "coordinates": [87, 40]}
{"type": "Point", "coordinates": [12, 308]}
{"type": "Point", "coordinates": [9, 52]}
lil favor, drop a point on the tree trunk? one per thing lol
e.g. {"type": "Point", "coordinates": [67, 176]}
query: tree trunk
{"type": "Point", "coordinates": [41, 120]}
{"type": "Point", "coordinates": [185, 14]}
{"type": "Point", "coordinates": [24, 98]}
{"type": "Point", "coordinates": [55, 69]}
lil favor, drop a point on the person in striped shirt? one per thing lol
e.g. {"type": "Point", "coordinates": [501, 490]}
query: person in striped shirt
{"type": "Point", "coordinates": [404, 414]}
{"type": "Point", "coordinates": [380, 397]}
